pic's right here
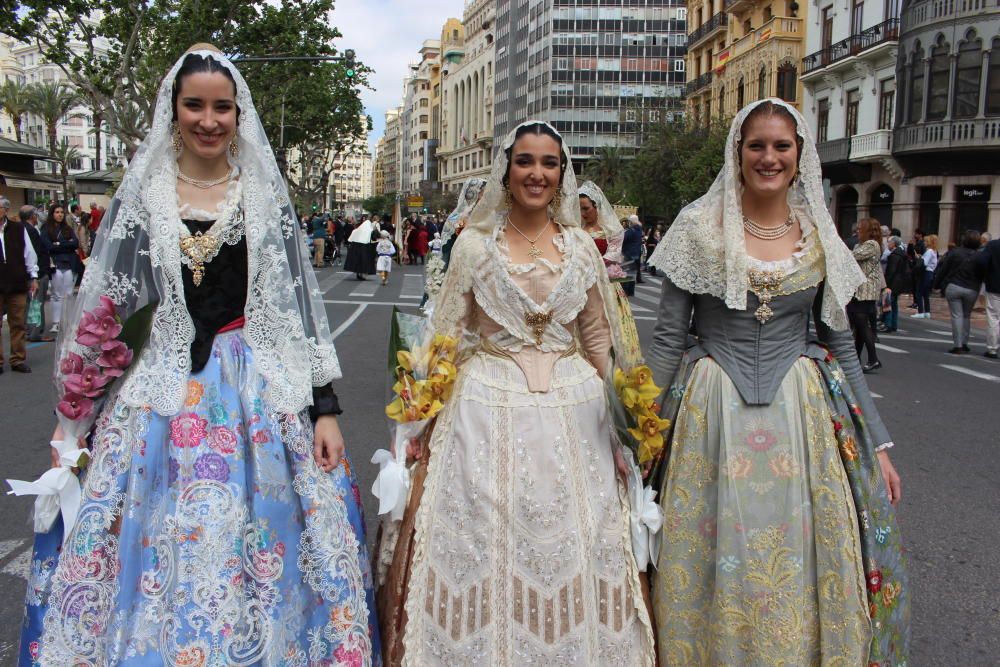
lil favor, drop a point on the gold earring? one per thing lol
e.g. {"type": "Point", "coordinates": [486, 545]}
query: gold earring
{"type": "Point", "coordinates": [175, 138]}
{"type": "Point", "coordinates": [508, 199]}
{"type": "Point", "coordinates": [234, 148]}
{"type": "Point", "coordinates": [557, 201]}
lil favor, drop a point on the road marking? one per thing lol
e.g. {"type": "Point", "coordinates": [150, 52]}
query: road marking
{"type": "Point", "coordinates": [413, 287]}
{"type": "Point", "coordinates": [889, 348]}
{"type": "Point", "coordinates": [20, 566]}
{"type": "Point", "coordinates": [637, 308]}
{"type": "Point", "coordinates": [349, 321]}
{"type": "Point", "coordinates": [644, 317]}
{"type": "Point", "coordinates": [969, 371]}
{"type": "Point", "coordinates": [911, 338]}
{"type": "Point", "coordinates": [8, 547]}
{"type": "Point", "coordinates": [366, 288]}
{"type": "Point", "coordinates": [647, 299]}
{"type": "Point", "coordinates": [355, 302]}
{"type": "Point", "coordinates": [874, 395]}
{"type": "Point", "coordinates": [332, 281]}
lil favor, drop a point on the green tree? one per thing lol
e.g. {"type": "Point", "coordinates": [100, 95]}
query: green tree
{"type": "Point", "coordinates": [607, 169]}
{"type": "Point", "coordinates": [379, 204]}
{"type": "Point", "coordinates": [14, 102]}
{"type": "Point", "coordinates": [51, 101]}
{"type": "Point", "coordinates": [65, 155]}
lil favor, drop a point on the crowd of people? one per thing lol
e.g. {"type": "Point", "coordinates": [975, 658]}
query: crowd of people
{"type": "Point", "coordinates": [220, 521]}
{"type": "Point", "coordinates": [43, 254]}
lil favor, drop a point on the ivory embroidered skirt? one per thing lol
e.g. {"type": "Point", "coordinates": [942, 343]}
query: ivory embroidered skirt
{"type": "Point", "coordinates": [523, 552]}
{"type": "Point", "coordinates": [206, 538]}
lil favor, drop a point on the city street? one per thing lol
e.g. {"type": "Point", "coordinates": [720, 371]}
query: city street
{"type": "Point", "coordinates": [941, 409]}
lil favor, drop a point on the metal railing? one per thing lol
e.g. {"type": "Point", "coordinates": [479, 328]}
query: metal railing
{"type": "Point", "coordinates": [886, 31]}
{"type": "Point", "coordinates": [777, 28]}
{"type": "Point", "coordinates": [702, 81]}
{"type": "Point", "coordinates": [718, 21]}
{"type": "Point", "coordinates": [931, 11]}
{"type": "Point", "coordinates": [837, 150]}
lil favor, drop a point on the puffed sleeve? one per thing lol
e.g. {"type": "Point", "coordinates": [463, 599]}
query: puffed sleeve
{"type": "Point", "coordinates": [670, 333]}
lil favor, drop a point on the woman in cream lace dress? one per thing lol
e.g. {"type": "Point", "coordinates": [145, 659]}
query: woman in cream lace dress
{"type": "Point", "coordinates": [523, 553]}
{"type": "Point", "coordinates": [780, 544]}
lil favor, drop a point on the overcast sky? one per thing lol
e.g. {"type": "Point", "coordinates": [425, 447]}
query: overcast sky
{"type": "Point", "coordinates": [387, 35]}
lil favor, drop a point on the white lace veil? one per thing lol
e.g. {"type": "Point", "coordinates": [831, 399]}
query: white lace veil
{"type": "Point", "coordinates": [467, 200]}
{"type": "Point", "coordinates": [137, 260]}
{"type": "Point", "coordinates": [704, 251]}
{"type": "Point", "coordinates": [606, 217]}
{"type": "Point", "coordinates": [492, 211]}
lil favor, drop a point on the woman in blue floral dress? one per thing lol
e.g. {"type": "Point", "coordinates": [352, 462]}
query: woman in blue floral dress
{"type": "Point", "coordinates": [218, 521]}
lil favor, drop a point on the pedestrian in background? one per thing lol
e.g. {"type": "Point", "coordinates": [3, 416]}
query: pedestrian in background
{"type": "Point", "coordinates": [898, 279]}
{"type": "Point", "coordinates": [989, 266]}
{"type": "Point", "coordinates": [959, 277]}
{"type": "Point", "coordinates": [652, 239]}
{"type": "Point", "coordinates": [36, 330]}
{"type": "Point", "coordinates": [632, 252]}
{"type": "Point", "coordinates": [319, 241]}
{"type": "Point", "coordinates": [61, 243]}
{"type": "Point", "coordinates": [928, 253]}
{"type": "Point", "coordinates": [18, 281]}
{"type": "Point", "coordinates": [385, 249]}
{"type": "Point", "coordinates": [861, 309]}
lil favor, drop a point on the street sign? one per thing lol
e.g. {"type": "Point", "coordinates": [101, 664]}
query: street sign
{"type": "Point", "coordinates": [415, 202]}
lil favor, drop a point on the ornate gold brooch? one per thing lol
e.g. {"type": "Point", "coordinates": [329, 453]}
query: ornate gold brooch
{"type": "Point", "coordinates": [538, 322]}
{"type": "Point", "coordinates": [765, 285]}
{"type": "Point", "coordinates": [199, 248]}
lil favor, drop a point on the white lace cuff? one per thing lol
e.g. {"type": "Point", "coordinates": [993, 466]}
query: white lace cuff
{"type": "Point", "coordinates": [885, 445]}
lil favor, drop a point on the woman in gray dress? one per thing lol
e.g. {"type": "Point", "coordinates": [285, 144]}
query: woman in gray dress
{"type": "Point", "coordinates": [780, 545]}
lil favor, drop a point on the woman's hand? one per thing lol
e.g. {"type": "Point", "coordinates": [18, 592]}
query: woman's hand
{"type": "Point", "coordinates": [620, 466]}
{"type": "Point", "coordinates": [328, 443]}
{"type": "Point", "coordinates": [58, 435]}
{"type": "Point", "coordinates": [892, 482]}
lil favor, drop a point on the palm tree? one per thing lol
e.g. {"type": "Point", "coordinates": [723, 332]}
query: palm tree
{"type": "Point", "coordinates": [65, 154]}
{"type": "Point", "coordinates": [14, 102]}
{"type": "Point", "coordinates": [51, 101]}
{"type": "Point", "coordinates": [607, 169]}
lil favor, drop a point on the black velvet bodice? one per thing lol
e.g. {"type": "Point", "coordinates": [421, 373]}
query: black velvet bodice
{"type": "Point", "coordinates": [221, 298]}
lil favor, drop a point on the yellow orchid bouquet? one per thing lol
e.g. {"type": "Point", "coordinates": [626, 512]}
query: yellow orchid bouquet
{"type": "Point", "coordinates": [643, 427]}
{"type": "Point", "coordinates": [423, 375]}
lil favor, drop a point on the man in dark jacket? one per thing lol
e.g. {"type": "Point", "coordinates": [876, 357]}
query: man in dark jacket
{"type": "Point", "coordinates": [28, 215]}
{"type": "Point", "coordinates": [898, 279]}
{"type": "Point", "coordinates": [18, 280]}
{"type": "Point", "coordinates": [989, 264]}
{"type": "Point", "coordinates": [632, 251]}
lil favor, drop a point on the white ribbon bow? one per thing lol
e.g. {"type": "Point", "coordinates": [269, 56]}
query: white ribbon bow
{"type": "Point", "coordinates": [392, 486]}
{"type": "Point", "coordinates": [646, 520]}
{"type": "Point", "coordinates": [58, 490]}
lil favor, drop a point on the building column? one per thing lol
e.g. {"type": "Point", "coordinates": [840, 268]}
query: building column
{"type": "Point", "coordinates": [984, 72]}
{"type": "Point", "coordinates": [946, 224]}
{"type": "Point", "coordinates": [904, 211]}
{"type": "Point", "coordinates": [993, 219]}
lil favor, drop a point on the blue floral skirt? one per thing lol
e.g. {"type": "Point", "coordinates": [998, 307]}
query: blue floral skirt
{"type": "Point", "coordinates": [207, 538]}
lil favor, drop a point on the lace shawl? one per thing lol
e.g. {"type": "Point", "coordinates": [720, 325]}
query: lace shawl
{"type": "Point", "coordinates": [467, 200]}
{"type": "Point", "coordinates": [137, 260]}
{"type": "Point", "coordinates": [704, 250]}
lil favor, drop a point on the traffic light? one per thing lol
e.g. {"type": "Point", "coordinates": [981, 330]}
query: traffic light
{"type": "Point", "coordinates": [349, 63]}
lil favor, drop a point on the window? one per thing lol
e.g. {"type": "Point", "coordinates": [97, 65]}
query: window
{"type": "Point", "coordinates": [739, 94]}
{"type": "Point", "coordinates": [827, 23]}
{"type": "Point", "coordinates": [747, 27]}
{"type": "Point", "coordinates": [722, 104]}
{"type": "Point", "coordinates": [993, 81]}
{"type": "Point", "coordinates": [654, 116]}
{"type": "Point", "coordinates": [857, 17]}
{"type": "Point", "coordinates": [762, 84]}
{"type": "Point", "coordinates": [822, 120]}
{"type": "Point", "coordinates": [787, 82]}
{"type": "Point", "coordinates": [891, 9]}
{"type": "Point", "coordinates": [853, 102]}
{"type": "Point", "coordinates": [937, 90]}
{"type": "Point", "coordinates": [886, 100]}
{"type": "Point", "coordinates": [678, 65]}
{"type": "Point", "coordinates": [968, 73]}
{"type": "Point", "coordinates": [914, 112]}
{"type": "Point", "coordinates": [768, 14]}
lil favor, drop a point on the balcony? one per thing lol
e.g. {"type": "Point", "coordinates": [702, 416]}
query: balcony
{"type": "Point", "coordinates": [484, 138]}
{"type": "Point", "coordinates": [841, 55]}
{"type": "Point", "coordinates": [834, 152]}
{"type": "Point", "coordinates": [982, 133]}
{"type": "Point", "coordinates": [928, 12]}
{"type": "Point", "coordinates": [695, 85]}
{"type": "Point", "coordinates": [733, 6]}
{"type": "Point", "coordinates": [779, 28]}
{"type": "Point", "coordinates": [709, 28]}
{"type": "Point", "coordinates": [872, 146]}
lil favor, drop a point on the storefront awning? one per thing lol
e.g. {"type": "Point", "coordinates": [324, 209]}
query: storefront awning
{"type": "Point", "coordinates": [32, 181]}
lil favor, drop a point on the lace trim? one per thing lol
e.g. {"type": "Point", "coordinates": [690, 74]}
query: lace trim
{"type": "Point", "coordinates": [528, 267]}
{"type": "Point", "coordinates": [232, 195]}
{"type": "Point", "coordinates": [790, 264]}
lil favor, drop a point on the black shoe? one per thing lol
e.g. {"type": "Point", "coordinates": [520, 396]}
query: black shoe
{"type": "Point", "coordinates": [889, 331]}
{"type": "Point", "coordinates": [1, 369]}
{"type": "Point", "coordinates": [965, 348]}
{"type": "Point", "coordinates": [21, 368]}
{"type": "Point", "coordinates": [874, 366]}
{"type": "Point", "coordinates": [987, 354]}
{"type": "Point", "coordinates": [957, 350]}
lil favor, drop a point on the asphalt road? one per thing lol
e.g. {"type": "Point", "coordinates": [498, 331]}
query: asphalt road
{"type": "Point", "coordinates": [942, 411]}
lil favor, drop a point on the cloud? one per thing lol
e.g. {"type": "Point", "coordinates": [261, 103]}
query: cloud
{"type": "Point", "coordinates": [387, 35]}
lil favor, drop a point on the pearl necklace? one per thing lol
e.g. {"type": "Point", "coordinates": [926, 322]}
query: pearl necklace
{"type": "Point", "coordinates": [533, 250]}
{"type": "Point", "coordinates": [205, 184]}
{"type": "Point", "coordinates": [768, 233]}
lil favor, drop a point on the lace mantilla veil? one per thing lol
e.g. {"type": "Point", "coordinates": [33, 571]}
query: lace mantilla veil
{"type": "Point", "coordinates": [137, 260]}
{"type": "Point", "coordinates": [606, 217]}
{"type": "Point", "coordinates": [491, 212]}
{"type": "Point", "coordinates": [466, 202]}
{"type": "Point", "coordinates": [704, 250]}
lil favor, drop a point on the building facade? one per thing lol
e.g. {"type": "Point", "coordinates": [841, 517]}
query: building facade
{"type": "Point", "coordinates": [849, 81]}
{"type": "Point", "coordinates": [391, 154]}
{"type": "Point", "coordinates": [947, 131]}
{"type": "Point", "coordinates": [466, 139]}
{"type": "Point", "coordinates": [599, 73]}
{"type": "Point", "coordinates": [419, 145]}
{"type": "Point", "coordinates": [740, 51]}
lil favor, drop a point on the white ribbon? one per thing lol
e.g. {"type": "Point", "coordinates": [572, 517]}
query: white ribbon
{"type": "Point", "coordinates": [58, 490]}
{"type": "Point", "coordinates": [392, 486]}
{"type": "Point", "coordinates": [646, 520]}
